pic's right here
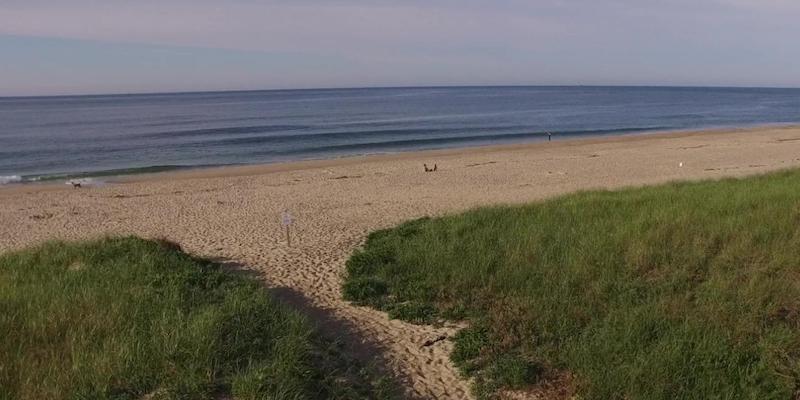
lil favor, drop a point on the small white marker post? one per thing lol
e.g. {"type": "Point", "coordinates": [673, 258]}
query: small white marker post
{"type": "Point", "coordinates": [286, 220]}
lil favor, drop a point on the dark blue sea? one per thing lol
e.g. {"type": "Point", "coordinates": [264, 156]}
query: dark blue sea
{"type": "Point", "coordinates": [45, 138]}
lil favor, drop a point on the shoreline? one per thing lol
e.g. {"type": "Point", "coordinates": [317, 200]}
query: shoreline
{"type": "Point", "coordinates": [241, 170]}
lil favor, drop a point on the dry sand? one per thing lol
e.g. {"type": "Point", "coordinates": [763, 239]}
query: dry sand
{"type": "Point", "coordinates": [233, 214]}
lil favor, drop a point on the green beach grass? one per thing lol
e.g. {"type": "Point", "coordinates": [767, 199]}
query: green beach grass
{"type": "Point", "coordinates": [127, 318]}
{"type": "Point", "coordinates": [680, 291]}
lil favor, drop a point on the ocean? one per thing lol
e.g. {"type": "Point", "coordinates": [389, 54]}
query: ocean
{"type": "Point", "coordinates": [50, 138]}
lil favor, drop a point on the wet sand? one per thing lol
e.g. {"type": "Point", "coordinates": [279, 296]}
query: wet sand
{"type": "Point", "coordinates": [233, 214]}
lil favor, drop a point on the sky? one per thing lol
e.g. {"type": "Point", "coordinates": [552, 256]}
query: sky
{"type": "Point", "coordinates": [122, 46]}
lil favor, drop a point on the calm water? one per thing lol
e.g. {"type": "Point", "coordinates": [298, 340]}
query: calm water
{"type": "Point", "coordinates": [55, 137]}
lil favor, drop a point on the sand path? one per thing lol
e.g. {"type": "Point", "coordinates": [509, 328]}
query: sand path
{"type": "Point", "coordinates": [234, 214]}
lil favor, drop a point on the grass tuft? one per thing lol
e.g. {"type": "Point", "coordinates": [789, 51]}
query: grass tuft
{"type": "Point", "coordinates": [420, 313]}
{"type": "Point", "coordinates": [685, 290]}
{"type": "Point", "coordinates": [365, 291]}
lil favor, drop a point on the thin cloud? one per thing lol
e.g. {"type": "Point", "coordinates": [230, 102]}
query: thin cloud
{"type": "Point", "coordinates": [449, 41]}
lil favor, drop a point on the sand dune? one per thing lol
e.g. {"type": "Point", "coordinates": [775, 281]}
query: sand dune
{"type": "Point", "coordinates": [234, 214]}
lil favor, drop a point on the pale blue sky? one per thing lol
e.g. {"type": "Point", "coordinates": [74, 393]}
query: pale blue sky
{"type": "Point", "coordinates": [113, 46]}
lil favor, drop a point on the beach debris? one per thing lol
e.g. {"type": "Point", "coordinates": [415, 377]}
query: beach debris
{"type": "Point", "coordinates": [484, 163]}
{"type": "Point", "coordinates": [44, 215]}
{"type": "Point", "coordinates": [129, 196]}
{"type": "Point", "coordinates": [680, 164]}
{"type": "Point", "coordinates": [287, 220]}
{"type": "Point", "coordinates": [431, 342]}
{"type": "Point", "coordinates": [692, 147]}
{"type": "Point", "coordinates": [434, 169]}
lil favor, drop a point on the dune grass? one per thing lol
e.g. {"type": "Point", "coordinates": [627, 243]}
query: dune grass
{"type": "Point", "coordinates": [687, 290]}
{"type": "Point", "coordinates": [128, 318]}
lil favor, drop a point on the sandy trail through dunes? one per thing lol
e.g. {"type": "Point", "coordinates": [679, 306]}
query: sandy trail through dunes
{"type": "Point", "coordinates": [235, 214]}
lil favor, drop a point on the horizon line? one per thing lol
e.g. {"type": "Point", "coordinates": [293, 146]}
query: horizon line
{"type": "Point", "coordinates": [331, 88]}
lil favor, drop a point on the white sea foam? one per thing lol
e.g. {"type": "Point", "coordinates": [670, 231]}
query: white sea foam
{"type": "Point", "coordinates": [4, 180]}
{"type": "Point", "coordinates": [83, 182]}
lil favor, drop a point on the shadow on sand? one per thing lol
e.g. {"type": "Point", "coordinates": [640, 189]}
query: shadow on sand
{"type": "Point", "coordinates": [335, 329]}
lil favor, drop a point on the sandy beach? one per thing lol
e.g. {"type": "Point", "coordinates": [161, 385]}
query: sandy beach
{"type": "Point", "coordinates": [233, 214]}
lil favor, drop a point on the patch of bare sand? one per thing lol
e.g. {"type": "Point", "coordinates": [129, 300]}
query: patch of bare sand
{"type": "Point", "coordinates": [234, 214]}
